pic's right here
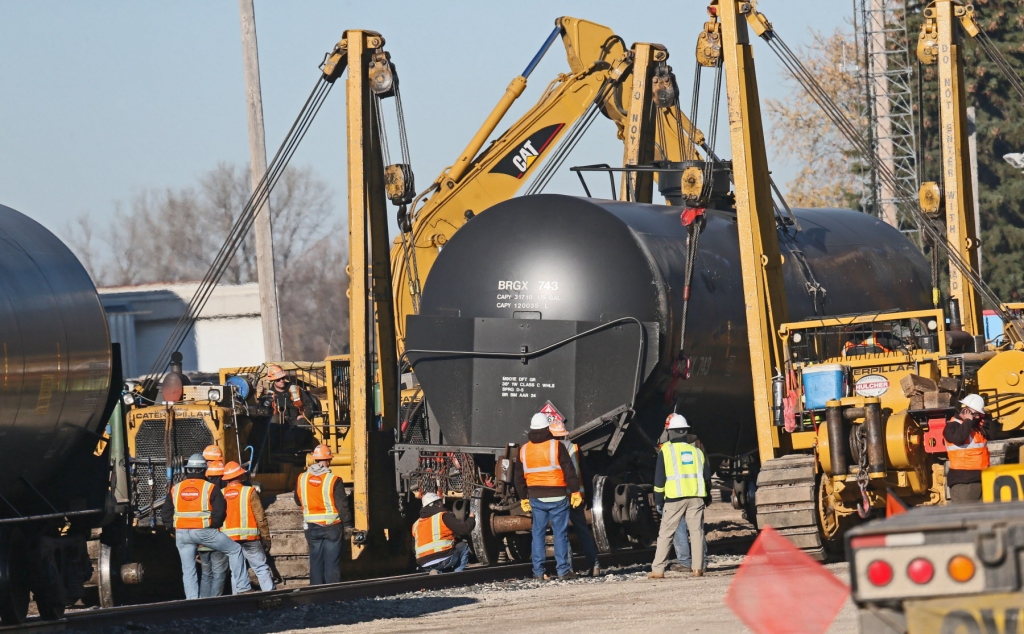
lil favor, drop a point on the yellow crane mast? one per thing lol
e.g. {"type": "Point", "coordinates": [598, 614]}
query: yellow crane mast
{"type": "Point", "coordinates": [850, 409]}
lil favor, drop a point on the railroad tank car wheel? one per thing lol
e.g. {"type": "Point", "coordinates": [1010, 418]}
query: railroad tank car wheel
{"type": "Point", "coordinates": [50, 611]}
{"type": "Point", "coordinates": [486, 545]}
{"type": "Point", "coordinates": [106, 567]}
{"type": "Point", "coordinates": [518, 547]}
{"type": "Point", "coordinates": [14, 594]}
{"type": "Point", "coordinates": [608, 534]}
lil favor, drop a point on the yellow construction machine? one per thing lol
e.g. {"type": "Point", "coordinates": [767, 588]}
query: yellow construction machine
{"type": "Point", "coordinates": [850, 409]}
{"type": "Point", "coordinates": [604, 76]}
{"type": "Point", "coordinates": [359, 392]}
{"type": "Point", "coordinates": [167, 429]}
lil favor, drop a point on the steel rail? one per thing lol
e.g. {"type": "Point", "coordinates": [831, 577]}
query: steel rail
{"type": "Point", "coordinates": [168, 611]}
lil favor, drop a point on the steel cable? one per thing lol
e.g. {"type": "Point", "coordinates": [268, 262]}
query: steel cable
{"type": "Point", "coordinates": [241, 227]}
{"type": "Point", "coordinates": [846, 127]}
{"type": "Point", "coordinates": [572, 138]}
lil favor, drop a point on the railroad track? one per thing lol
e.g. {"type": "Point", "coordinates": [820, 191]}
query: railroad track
{"type": "Point", "coordinates": [167, 611]}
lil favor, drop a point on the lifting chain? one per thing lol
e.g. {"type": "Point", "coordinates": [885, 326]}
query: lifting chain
{"type": "Point", "coordinates": [859, 444]}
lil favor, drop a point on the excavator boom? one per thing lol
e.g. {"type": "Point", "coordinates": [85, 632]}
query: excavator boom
{"type": "Point", "coordinates": [602, 70]}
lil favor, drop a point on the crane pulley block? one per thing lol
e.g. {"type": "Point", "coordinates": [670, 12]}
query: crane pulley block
{"type": "Point", "coordinates": [663, 86]}
{"type": "Point", "coordinates": [709, 44]}
{"type": "Point", "coordinates": [930, 197]}
{"type": "Point", "coordinates": [382, 79]}
{"type": "Point", "coordinates": [399, 183]}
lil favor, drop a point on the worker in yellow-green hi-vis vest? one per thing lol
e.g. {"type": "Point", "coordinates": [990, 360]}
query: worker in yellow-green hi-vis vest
{"type": "Point", "coordinates": [681, 482]}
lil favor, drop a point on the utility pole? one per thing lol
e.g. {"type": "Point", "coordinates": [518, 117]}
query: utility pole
{"type": "Point", "coordinates": [972, 145]}
{"type": "Point", "coordinates": [271, 314]}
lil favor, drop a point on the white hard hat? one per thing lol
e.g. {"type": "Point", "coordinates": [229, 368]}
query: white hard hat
{"type": "Point", "coordinates": [430, 498]}
{"type": "Point", "coordinates": [539, 421]}
{"type": "Point", "coordinates": [677, 422]}
{"type": "Point", "coordinates": [975, 402]}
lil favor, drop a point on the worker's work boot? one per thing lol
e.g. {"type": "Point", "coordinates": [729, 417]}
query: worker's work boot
{"type": "Point", "coordinates": [698, 573]}
{"type": "Point", "coordinates": [679, 568]}
{"type": "Point", "coordinates": [569, 576]}
{"type": "Point", "coordinates": [655, 575]}
{"type": "Point", "coordinates": [596, 570]}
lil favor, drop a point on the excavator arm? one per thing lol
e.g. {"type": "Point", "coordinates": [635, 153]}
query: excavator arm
{"type": "Point", "coordinates": [602, 73]}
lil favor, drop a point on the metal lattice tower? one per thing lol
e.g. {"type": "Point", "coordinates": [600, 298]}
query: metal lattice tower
{"type": "Point", "coordinates": [882, 31]}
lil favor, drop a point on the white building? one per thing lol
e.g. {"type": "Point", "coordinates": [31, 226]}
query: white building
{"type": "Point", "coordinates": [229, 331]}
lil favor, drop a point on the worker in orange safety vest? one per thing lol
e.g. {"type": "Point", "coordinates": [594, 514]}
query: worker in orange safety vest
{"type": "Point", "coordinates": [213, 565]}
{"type": "Point", "coordinates": [577, 514]}
{"type": "Point", "coordinates": [543, 474]}
{"type": "Point", "coordinates": [246, 523]}
{"type": "Point", "coordinates": [292, 409]}
{"type": "Point", "coordinates": [194, 511]}
{"type": "Point", "coordinates": [875, 343]}
{"type": "Point", "coordinates": [966, 436]}
{"type": "Point", "coordinates": [434, 534]}
{"type": "Point", "coordinates": [326, 517]}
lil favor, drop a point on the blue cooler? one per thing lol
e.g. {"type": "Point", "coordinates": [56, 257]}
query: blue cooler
{"type": "Point", "coordinates": [823, 383]}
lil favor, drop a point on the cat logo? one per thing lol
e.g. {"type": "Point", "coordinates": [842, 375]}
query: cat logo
{"type": "Point", "coordinates": [518, 161]}
{"type": "Point", "coordinates": [527, 155]}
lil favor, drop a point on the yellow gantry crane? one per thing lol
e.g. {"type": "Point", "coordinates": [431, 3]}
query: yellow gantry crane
{"type": "Point", "coordinates": [823, 467]}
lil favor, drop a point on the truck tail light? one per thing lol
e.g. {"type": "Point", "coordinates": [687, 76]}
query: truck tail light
{"type": "Point", "coordinates": [896, 539]}
{"type": "Point", "coordinates": [961, 568]}
{"type": "Point", "coordinates": [920, 571]}
{"type": "Point", "coordinates": [879, 572]}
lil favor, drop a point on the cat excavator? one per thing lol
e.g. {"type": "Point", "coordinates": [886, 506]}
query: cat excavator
{"type": "Point", "coordinates": [604, 76]}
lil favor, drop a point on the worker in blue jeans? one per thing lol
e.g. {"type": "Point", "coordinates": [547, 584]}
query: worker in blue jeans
{"type": "Point", "coordinates": [681, 542]}
{"type": "Point", "coordinates": [578, 514]}
{"type": "Point", "coordinates": [542, 475]}
{"type": "Point", "coordinates": [213, 564]}
{"type": "Point", "coordinates": [195, 510]}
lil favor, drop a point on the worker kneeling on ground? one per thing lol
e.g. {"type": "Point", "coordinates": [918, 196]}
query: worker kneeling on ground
{"type": "Point", "coordinates": [325, 513]}
{"type": "Point", "coordinates": [577, 514]}
{"type": "Point", "coordinates": [435, 532]}
{"type": "Point", "coordinates": [543, 473]}
{"type": "Point", "coordinates": [681, 482]}
{"type": "Point", "coordinates": [195, 509]}
{"type": "Point", "coordinates": [246, 524]}
{"type": "Point", "coordinates": [966, 436]}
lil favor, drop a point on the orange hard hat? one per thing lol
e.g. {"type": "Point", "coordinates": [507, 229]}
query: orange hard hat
{"type": "Point", "coordinates": [275, 372]}
{"type": "Point", "coordinates": [233, 470]}
{"type": "Point", "coordinates": [213, 452]}
{"type": "Point", "coordinates": [322, 452]}
{"type": "Point", "coordinates": [557, 428]}
{"type": "Point", "coordinates": [215, 468]}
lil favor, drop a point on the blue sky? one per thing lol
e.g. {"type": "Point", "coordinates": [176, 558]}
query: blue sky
{"type": "Point", "coordinates": [101, 100]}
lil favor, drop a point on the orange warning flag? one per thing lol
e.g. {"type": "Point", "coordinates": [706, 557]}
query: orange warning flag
{"type": "Point", "coordinates": [893, 504]}
{"type": "Point", "coordinates": [780, 589]}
